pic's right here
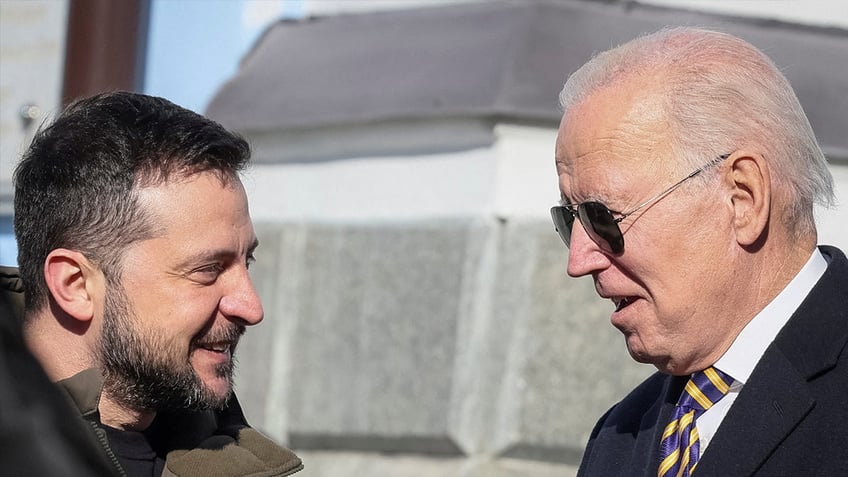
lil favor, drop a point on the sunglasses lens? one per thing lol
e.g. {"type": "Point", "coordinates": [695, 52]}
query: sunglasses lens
{"type": "Point", "coordinates": [601, 226]}
{"type": "Point", "coordinates": [563, 221]}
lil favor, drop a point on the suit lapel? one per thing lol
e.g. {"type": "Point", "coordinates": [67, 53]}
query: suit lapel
{"type": "Point", "coordinates": [655, 419]}
{"type": "Point", "coordinates": [768, 408]}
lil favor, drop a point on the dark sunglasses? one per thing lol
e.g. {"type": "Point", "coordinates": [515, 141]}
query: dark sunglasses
{"type": "Point", "coordinates": [600, 222]}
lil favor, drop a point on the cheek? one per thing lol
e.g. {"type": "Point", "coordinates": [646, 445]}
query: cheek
{"type": "Point", "coordinates": [180, 316]}
{"type": "Point", "coordinates": [195, 311]}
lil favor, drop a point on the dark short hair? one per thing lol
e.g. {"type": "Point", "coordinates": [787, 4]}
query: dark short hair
{"type": "Point", "coordinates": [76, 185]}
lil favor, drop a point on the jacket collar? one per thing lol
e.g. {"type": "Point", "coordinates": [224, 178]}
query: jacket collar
{"type": "Point", "coordinates": [198, 442]}
{"type": "Point", "coordinates": [83, 390]}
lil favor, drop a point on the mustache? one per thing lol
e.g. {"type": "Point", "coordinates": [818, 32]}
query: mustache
{"type": "Point", "coordinates": [230, 333]}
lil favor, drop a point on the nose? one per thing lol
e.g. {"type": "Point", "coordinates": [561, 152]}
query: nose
{"type": "Point", "coordinates": [584, 255]}
{"type": "Point", "coordinates": [240, 301]}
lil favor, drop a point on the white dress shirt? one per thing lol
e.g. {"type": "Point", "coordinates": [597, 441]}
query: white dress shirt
{"type": "Point", "coordinates": [745, 352]}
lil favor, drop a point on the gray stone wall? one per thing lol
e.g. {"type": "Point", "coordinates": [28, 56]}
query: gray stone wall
{"type": "Point", "coordinates": [441, 347]}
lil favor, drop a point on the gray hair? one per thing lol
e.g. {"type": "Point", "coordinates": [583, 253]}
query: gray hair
{"type": "Point", "coordinates": [720, 93]}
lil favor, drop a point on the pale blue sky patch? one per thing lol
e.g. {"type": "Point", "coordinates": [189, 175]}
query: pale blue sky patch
{"type": "Point", "coordinates": [194, 46]}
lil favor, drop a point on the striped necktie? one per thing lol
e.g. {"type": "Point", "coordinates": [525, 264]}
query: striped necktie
{"type": "Point", "coordinates": [679, 449]}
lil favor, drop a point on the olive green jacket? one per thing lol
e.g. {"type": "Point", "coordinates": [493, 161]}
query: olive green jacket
{"type": "Point", "coordinates": [200, 444]}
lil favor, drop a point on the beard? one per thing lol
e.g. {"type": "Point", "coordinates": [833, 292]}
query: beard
{"type": "Point", "coordinates": [148, 371]}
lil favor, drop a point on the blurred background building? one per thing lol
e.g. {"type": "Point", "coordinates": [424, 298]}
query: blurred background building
{"type": "Point", "coordinates": [419, 320]}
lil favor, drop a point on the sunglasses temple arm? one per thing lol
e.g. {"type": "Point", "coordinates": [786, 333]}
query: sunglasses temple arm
{"type": "Point", "coordinates": [659, 196]}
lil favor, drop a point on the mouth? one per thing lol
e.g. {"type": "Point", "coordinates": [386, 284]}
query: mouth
{"type": "Point", "coordinates": [622, 302]}
{"type": "Point", "coordinates": [218, 347]}
{"type": "Point", "coordinates": [222, 342]}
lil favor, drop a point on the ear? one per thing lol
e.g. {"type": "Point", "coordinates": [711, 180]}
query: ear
{"type": "Point", "coordinates": [751, 197]}
{"type": "Point", "coordinates": [70, 277]}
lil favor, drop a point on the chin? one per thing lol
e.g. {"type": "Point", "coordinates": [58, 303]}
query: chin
{"type": "Point", "coordinates": [640, 355]}
{"type": "Point", "coordinates": [219, 387]}
{"type": "Point", "coordinates": [636, 349]}
{"type": "Point", "coordinates": [642, 358]}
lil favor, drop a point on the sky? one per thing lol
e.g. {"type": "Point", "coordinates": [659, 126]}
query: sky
{"type": "Point", "coordinates": [203, 40]}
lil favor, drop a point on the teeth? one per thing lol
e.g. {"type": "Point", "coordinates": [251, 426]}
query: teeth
{"type": "Point", "coordinates": [621, 302]}
{"type": "Point", "coordinates": [220, 348]}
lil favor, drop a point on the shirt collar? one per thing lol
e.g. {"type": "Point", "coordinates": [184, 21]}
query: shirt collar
{"type": "Point", "coordinates": [750, 345]}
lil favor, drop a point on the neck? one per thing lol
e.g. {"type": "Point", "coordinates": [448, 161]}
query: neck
{"type": "Point", "coordinates": [60, 352]}
{"type": "Point", "coordinates": [777, 267]}
{"type": "Point", "coordinates": [754, 282]}
{"type": "Point", "coordinates": [765, 275]}
{"type": "Point", "coordinates": [115, 415]}
{"type": "Point", "coordinates": [64, 351]}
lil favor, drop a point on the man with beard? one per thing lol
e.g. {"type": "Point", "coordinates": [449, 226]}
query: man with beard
{"type": "Point", "coordinates": [134, 245]}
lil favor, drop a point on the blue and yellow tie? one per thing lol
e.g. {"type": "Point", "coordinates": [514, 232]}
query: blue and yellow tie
{"type": "Point", "coordinates": [679, 449]}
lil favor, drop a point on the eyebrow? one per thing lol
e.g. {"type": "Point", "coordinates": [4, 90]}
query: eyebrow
{"type": "Point", "coordinates": [215, 254]}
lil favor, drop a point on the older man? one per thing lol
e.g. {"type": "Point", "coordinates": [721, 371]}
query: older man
{"type": "Point", "coordinates": [135, 242]}
{"type": "Point", "coordinates": [688, 173]}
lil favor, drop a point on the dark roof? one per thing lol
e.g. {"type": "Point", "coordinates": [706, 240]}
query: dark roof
{"type": "Point", "coordinates": [492, 59]}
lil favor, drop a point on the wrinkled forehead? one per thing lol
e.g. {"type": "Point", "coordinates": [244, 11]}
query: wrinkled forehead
{"type": "Point", "coordinates": [623, 127]}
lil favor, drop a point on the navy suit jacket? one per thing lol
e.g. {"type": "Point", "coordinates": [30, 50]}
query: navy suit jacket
{"type": "Point", "coordinates": [790, 419]}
